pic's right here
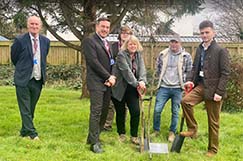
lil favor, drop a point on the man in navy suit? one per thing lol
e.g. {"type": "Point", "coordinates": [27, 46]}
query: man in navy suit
{"type": "Point", "coordinates": [99, 61]}
{"type": "Point", "coordinates": [28, 54]}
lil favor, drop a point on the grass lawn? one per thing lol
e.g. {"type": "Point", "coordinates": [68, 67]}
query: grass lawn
{"type": "Point", "coordinates": [61, 119]}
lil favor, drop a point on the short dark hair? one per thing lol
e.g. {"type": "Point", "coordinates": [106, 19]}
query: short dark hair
{"type": "Point", "coordinates": [206, 23]}
{"type": "Point", "coordinates": [102, 19]}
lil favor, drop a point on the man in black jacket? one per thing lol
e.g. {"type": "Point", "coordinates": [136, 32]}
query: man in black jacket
{"type": "Point", "coordinates": [28, 54]}
{"type": "Point", "coordinates": [99, 61]}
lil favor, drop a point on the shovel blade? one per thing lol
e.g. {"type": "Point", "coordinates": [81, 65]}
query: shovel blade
{"type": "Point", "coordinates": [177, 144]}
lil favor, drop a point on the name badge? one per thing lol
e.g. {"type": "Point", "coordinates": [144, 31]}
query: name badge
{"type": "Point", "coordinates": [201, 74]}
{"type": "Point", "coordinates": [35, 61]}
{"type": "Point", "coordinates": [112, 61]}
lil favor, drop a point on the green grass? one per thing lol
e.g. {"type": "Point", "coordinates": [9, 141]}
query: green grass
{"type": "Point", "coordinates": [61, 119]}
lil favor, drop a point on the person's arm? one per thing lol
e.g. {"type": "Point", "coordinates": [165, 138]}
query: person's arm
{"type": "Point", "coordinates": [15, 49]}
{"type": "Point", "coordinates": [159, 64]}
{"type": "Point", "coordinates": [224, 67]}
{"type": "Point", "coordinates": [142, 69]}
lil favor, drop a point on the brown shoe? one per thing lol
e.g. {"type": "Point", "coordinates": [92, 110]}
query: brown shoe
{"type": "Point", "coordinates": [171, 137]}
{"type": "Point", "coordinates": [122, 138]}
{"type": "Point", "coordinates": [192, 134]}
{"type": "Point", "coordinates": [135, 140]}
{"type": "Point", "coordinates": [210, 154]}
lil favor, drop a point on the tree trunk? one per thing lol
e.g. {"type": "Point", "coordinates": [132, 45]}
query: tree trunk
{"type": "Point", "coordinates": [89, 22]}
{"type": "Point", "coordinates": [85, 92]}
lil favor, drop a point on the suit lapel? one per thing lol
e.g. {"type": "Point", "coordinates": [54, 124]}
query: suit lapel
{"type": "Point", "coordinates": [41, 45]}
{"type": "Point", "coordinates": [29, 45]}
{"type": "Point", "coordinates": [102, 44]}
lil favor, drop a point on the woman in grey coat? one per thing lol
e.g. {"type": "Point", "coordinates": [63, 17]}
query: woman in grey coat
{"type": "Point", "coordinates": [131, 75]}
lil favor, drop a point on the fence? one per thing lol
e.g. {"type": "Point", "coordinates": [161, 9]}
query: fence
{"type": "Point", "coordinates": [61, 54]}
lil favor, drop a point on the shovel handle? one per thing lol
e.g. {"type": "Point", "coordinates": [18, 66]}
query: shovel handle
{"type": "Point", "coordinates": [182, 123]}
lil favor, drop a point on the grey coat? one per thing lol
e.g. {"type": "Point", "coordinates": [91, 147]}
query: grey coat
{"type": "Point", "coordinates": [124, 74]}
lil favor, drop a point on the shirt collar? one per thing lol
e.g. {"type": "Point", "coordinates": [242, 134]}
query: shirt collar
{"type": "Point", "coordinates": [32, 37]}
{"type": "Point", "coordinates": [206, 47]}
{"type": "Point", "coordinates": [103, 39]}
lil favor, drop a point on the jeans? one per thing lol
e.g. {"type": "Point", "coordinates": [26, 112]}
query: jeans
{"type": "Point", "coordinates": [163, 95]}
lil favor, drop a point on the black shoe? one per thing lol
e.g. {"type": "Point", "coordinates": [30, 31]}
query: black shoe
{"type": "Point", "coordinates": [96, 148]}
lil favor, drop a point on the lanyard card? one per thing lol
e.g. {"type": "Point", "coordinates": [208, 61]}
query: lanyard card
{"type": "Point", "coordinates": [112, 61]}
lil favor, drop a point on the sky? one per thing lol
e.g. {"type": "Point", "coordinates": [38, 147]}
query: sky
{"type": "Point", "coordinates": [186, 25]}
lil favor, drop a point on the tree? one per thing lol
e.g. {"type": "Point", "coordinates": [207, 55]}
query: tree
{"type": "Point", "coordinates": [79, 16]}
{"type": "Point", "coordinates": [229, 19]}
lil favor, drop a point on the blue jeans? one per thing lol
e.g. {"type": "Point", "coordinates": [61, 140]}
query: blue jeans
{"type": "Point", "coordinates": [163, 95]}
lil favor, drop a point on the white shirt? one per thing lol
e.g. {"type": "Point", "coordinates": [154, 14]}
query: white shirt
{"type": "Point", "coordinates": [36, 72]}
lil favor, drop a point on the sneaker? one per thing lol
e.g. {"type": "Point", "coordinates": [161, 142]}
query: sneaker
{"type": "Point", "coordinates": [171, 136]}
{"type": "Point", "coordinates": [135, 140]}
{"type": "Point", "coordinates": [155, 133]}
{"type": "Point", "coordinates": [122, 138]}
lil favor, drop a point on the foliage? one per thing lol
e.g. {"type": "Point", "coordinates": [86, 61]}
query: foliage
{"type": "Point", "coordinates": [68, 76]}
{"type": "Point", "coordinates": [61, 120]}
{"type": "Point", "coordinates": [234, 100]}
{"type": "Point", "coordinates": [231, 12]}
{"type": "Point", "coordinates": [6, 75]}
{"type": "Point", "coordinates": [61, 76]}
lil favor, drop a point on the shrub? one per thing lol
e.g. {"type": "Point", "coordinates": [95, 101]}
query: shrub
{"type": "Point", "coordinates": [6, 75]}
{"type": "Point", "coordinates": [68, 76]}
{"type": "Point", "coordinates": [61, 76]}
{"type": "Point", "coordinates": [234, 100]}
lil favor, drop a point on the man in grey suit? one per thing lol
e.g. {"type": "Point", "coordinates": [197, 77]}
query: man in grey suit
{"type": "Point", "coordinates": [99, 61]}
{"type": "Point", "coordinates": [28, 54]}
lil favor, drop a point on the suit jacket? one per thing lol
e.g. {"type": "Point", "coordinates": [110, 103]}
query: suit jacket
{"type": "Point", "coordinates": [97, 62]}
{"type": "Point", "coordinates": [124, 74]}
{"type": "Point", "coordinates": [22, 58]}
{"type": "Point", "coordinates": [216, 70]}
{"type": "Point", "coordinates": [115, 49]}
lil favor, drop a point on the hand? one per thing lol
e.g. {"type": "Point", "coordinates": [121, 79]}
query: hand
{"type": "Point", "coordinates": [188, 86]}
{"type": "Point", "coordinates": [112, 80]}
{"type": "Point", "coordinates": [217, 97]}
{"type": "Point", "coordinates": [107, 83]}
{"type": "Point", "coordinates": [141, 85]}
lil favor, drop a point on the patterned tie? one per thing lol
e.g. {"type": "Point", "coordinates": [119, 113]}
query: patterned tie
{"type": "Point", "coordinates": [35, 45]}
{"type": "Point", "coordinates": [107, 46]}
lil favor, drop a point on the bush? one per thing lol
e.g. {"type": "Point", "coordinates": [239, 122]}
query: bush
{"type": "Point", "coordinates": [64, 76]}
{"type": "Point", "coordinates": [234, 100]}
{"type": "Point", "coordinates": [61, 76]}
{"type": "Point", "coordinates": [6, 75]}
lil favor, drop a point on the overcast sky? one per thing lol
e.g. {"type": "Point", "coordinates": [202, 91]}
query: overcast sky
{"type": "Point", "coordinates": [189, 24]}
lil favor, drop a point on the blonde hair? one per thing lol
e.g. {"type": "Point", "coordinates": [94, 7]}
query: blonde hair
{"type": "Point", "coordinates": [133, 39]}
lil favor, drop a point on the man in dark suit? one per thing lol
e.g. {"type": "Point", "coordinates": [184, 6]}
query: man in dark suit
{"type": "Point", "coordinates": [99, 61]}
{"type": "Point", "coordinates": [28, 54]}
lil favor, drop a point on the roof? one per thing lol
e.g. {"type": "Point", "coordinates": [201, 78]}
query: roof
{"type": "Point", "coordinates": [166, 38]}
{"type": "Point", "coordinates": [3, 38]}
